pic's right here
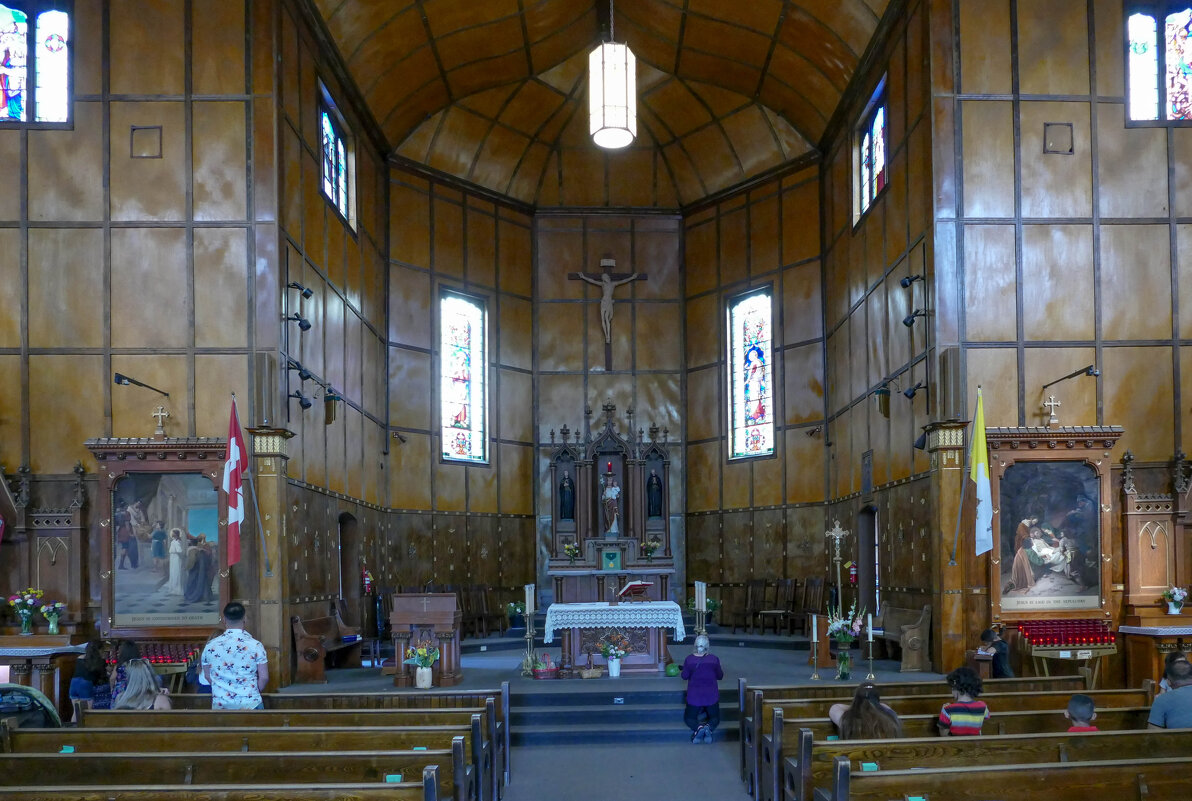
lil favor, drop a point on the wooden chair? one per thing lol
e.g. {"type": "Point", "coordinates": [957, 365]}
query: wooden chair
{"type": "Point", "coordinates": [745, 616]}
{"type": "Point", "coordinates": [491, 619]}
{"type": "Point", "coordinates": [811, 604]}
{"type": "Point", "coordinates": [782, 609]}
{"type": "Point", "coordinates": [470, 619]}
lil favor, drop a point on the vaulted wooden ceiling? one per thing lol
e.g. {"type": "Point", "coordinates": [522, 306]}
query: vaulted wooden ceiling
{"type": "Point", "coordinates": [495, 91]}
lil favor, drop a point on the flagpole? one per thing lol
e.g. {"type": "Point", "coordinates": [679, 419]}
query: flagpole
{"type": "Point", "coordinates": [964, 482]}
{"type": "Point", "coordinates": [256, 507]}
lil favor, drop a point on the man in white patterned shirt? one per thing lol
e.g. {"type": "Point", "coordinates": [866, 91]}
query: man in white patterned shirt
{"type": "Point", "coordinates": [235, 664]}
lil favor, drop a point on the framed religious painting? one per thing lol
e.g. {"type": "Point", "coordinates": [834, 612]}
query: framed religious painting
{"type": "Point", "coordinates": [1051, 522]}
{"type": "Point", "coordinates": [164, 557]}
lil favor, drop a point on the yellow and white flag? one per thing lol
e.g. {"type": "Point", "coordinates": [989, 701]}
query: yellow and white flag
{"type": "Point", "coordinates": [979, 473]}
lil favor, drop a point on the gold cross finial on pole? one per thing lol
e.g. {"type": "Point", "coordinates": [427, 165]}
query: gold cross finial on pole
{"type": "Point", "coordinates": [161, 414]}
{"type": "Point", "coordinates": [836, 534]}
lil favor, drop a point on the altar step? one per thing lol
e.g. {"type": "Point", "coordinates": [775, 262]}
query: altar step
{"type": "Point", "coordinates": [607, 716]}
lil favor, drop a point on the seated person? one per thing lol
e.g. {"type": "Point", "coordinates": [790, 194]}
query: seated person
{"type": "Point", "coordinates": [90, 680]}
{"type": "Point", "coordinates": [142, 691]}
{"type": "Point", "coordinates": [1169, 660]}
{"type": "Point", "coordinates": [1173, 709]}
{"type": "Point", "coordinates": [965, 715]}
{"type": "Point", "coordinates": [992, 643]}
{"type": "Point", "coordinates": [1081, 713]}
{"type": "Point", "coordinates": [866, 718]}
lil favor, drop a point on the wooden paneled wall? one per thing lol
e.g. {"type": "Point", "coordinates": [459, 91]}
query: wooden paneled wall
{"type": "Point", "coordinates": [756, 518]}
{"type": "Point", "coordinates": [453, 523]}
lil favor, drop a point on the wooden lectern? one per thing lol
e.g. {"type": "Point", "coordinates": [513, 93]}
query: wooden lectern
{"type": "Point", "coordinates": [427, 616]}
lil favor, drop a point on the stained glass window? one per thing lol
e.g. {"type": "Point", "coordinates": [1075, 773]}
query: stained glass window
{"type": "Point", "coordinates": [871, 157]}
{"type": "Point", "coordinates": [335, 163]}
{"type": "Point", "coordinates": [1179, 65]}
{"type": "Point", "coordinates": [1143, 60]}
{"type": "Point", "coordinates": [463, 388]}
{"type": "Point", "coordinates": [1159, 70]}
{"type": "Point", "coordinates": [751, 398]}
{"type": "Point", "coordinates": [34, 63]}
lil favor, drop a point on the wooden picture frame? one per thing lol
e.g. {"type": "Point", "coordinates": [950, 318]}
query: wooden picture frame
{"type": "Point", "coordinates": [1052, 519]}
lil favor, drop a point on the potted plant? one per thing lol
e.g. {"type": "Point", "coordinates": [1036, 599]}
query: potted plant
{"type": "Point", "coordinates": [544, 668]}
{"type": "Point", "coordinates": [1175, 597]}
{"type": "Point", "coordinates": [613, 647]}
{"type": "Point", "coordinates": [711, 606]}
{"type": "Point", "coordinates": [422, 655]}
{"type": "Point", "coordinates": [51, 611]}
{"type": "Point", "coordinates": [517, 614]}
{"type": "Point", "coordinates": [25, 604]}
{"type": "Point", "coordinates": [845, 629]}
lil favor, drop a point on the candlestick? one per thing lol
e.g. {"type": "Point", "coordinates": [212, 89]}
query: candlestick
{"type": "Point", "coordinates": [814, 652]}
{"type": "Point", "coordinates": [871, 631]}
{"type": "Point", "coordinates": [870, 677]}
{"type": "Point", "coordinates": [814, 628]}
{"type": "Point", "coordinates": [530, 599]}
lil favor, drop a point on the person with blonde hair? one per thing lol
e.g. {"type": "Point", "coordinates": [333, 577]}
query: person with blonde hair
{"type": "Point", "coordinates": [142, 691]}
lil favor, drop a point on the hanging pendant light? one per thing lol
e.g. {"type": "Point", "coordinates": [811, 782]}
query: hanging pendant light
{"type": "Point", "coordinates": [612, 86]}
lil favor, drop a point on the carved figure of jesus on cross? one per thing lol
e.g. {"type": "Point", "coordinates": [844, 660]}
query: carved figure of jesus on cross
{"type": "Point", "coordinates": [608, 281]}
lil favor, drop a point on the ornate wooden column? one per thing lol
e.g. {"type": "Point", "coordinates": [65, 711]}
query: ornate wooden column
{"type": "Point", "coordinates": [269, 479]}
{"type": "Point", "coordinates": [945, 443]}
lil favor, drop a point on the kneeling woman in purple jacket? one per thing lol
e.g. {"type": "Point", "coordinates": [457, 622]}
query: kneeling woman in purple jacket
{"type": "Point", "coordinates": [702, 670]}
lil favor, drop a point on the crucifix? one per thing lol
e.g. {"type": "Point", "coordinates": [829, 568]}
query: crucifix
{"type": "Point", "coordinates": [161, 414]}
{"type": "Point", "coordinates": [836, 534]}
{"type": "Point", "coordinates": [1050, 405]}
{"type": "Point", "coordinates": [608, 281]}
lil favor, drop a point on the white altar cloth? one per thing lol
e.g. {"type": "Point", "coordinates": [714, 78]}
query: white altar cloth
{"type": "Point", "coordinates": [627, 614]}
{"type": "Point", "coordinates": [1157, 631]}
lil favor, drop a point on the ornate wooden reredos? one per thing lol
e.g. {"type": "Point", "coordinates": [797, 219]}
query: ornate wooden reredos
{"type": "Point", "coordinates": [1051, 494]}
{"type": "Point", "coordinates": [120, 460]}
{"type": "Point", "coordinates": [1155, 528]}
{"type": "Point", "coordinates": [580, 465]}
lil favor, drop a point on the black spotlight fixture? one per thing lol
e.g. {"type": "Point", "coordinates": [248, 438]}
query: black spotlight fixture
{"type": "Point", "coordinates": [303, 323]}
{"type": "Point", "coordinates": [1091, 370]}
{"type": "Point", "coordinates": [303, 401]}
{"type": "Point", "coordinates": [306, 291]}
{"type": "Point", "coordinates": [910, 393]}
{"type": "Point", "coordinates": [909, 320]}
{"type": "Point", "coordinates": [910, 279]}
{"type": "Point", "coordinates": [303, 373]}
{"type": "Point", "coordinates": [120, 379]}
{"type": "Point", "coordinates": [921, 442]}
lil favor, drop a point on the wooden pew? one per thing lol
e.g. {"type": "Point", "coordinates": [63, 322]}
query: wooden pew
{"type": "Point", "coordinates": [813, 763]}
{"type": "Point", "coordinates": [426, 790]}
{"type": "Point", "coordinates": [316, 639]}
{"type": "Point", "coordinates": [770, 780]}
{"type": "Point", "coordinates": [750, 699]}
{"type": "Point", "coordinates": [250, 739]}
{"type": "Point", "coordinates": [1152, 778]}
{"type": "Point", "coordinates": [910, 630]}
{"type": "Point", "coordinates": [259, 768]}
{"type": "Point", "coordinates": [430, 699]}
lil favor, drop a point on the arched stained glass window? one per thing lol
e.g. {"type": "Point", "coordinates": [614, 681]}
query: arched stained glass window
{"type": "Point", "coordinates": [1159, 62]}
{"type": "Point", "coordinates": [751, 385]}
{"type": "Point", "coordinates": [34, 62]}
{"type": "Point", "coordinates": [463, 389]}
{"type": "Point", "coordinates": [870, 155]}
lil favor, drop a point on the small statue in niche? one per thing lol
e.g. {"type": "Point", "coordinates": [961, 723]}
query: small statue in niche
{"type": "Point", "coordinates": [611, 499]}
{"type": "Point", "coordinates": [654, 495]}
{"type": "Point", "coordinates": [566, 497]}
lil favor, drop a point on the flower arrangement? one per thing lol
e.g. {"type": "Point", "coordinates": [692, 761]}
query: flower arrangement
{"type": "Point", "coordinates": [845, 628]}
{"type": "Point", "coordinates": [1175, 596]}
{"type": "Point", "coordinates": [572, 551]}
{"type": "Point", "coordinates": [422, 654]}
{"type": "Point", "coordinates": [711, 605]}
{"type": "Point", "coordinates": [515, 608]}
{"type": "Point", "coordinates": [25, 604]}
{"type": "Point", "coordinates": [51, 612]}
{"type": "Point", "coordinates": [614, 645]}
{"type": "Point", "coordinates": [650, 546]}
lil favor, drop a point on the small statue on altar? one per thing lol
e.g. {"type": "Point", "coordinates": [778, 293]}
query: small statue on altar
{"type": "Point", "coordinates": [566, 498]}
{"type": "Point", "coordinates": [654, 495]}
{"type": "Point", "coordinates": [611, 498]}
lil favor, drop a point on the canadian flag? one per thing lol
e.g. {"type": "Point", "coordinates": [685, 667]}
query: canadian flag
{"type": "Point", "coordinates": [233, 484]}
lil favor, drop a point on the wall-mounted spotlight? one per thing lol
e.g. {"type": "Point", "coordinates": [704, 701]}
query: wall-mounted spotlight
{"type": "Point", "coordinates": [303, 401]}
{"type": "Point", "coordinates": [811, 432]}
{"type": "Point", "coordinates": [910, 393]}
{"type": "Point", "coordinates": [921, 442]}
{"type": "Point", "coordinates": [910, 279]}
{"type": "Point", "coordinates": [303, 323]}
{"type": "Point", "coordinates": [1091, 370]}
{"type": "Point", "coordinates": [306, 291]}
{"type": "Point", "coordinates": [120, 379]}
{"type": "Point", "coordinates": [303, 373]}
{"type": "Point", "coordinates": [909, 320]}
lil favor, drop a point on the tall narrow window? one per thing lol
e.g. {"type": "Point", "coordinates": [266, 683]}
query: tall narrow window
{"type": "Point", "coordinates": [751, 386]}
{"type": "Point", "coordinates": [462, 379]}
{"type": "Point", "coordinates": [1159, 62]}
{"type": "Point", "coordinates": [34, 62]}
{"type": "Point", "coordinates": [870, 154]}
{"type": "Point", "coordinates": [335, 164]}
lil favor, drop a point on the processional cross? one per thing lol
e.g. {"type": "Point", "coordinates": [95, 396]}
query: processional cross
{"type": "Point", "coordinates": [836, 534]}
{"type": "Point", "coordinates": [1050, 405]}
{"type": "Point", "coordinates": [608, 281]}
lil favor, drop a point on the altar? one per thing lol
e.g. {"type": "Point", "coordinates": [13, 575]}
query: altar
{"type": "Point", "coordinates": [644, 623]}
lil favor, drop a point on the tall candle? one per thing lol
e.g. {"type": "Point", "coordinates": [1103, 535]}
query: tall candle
{"type": "Point", "coordinates": [871, 627]}
{"type": "Point", "coordinates": [701, 596]}
{"type": "Point", "coordinates": [815, 628]}
{"type": "Point", "coordinates": [610, 467]}
{"type": "Point", "coordinates": [529, 599]}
